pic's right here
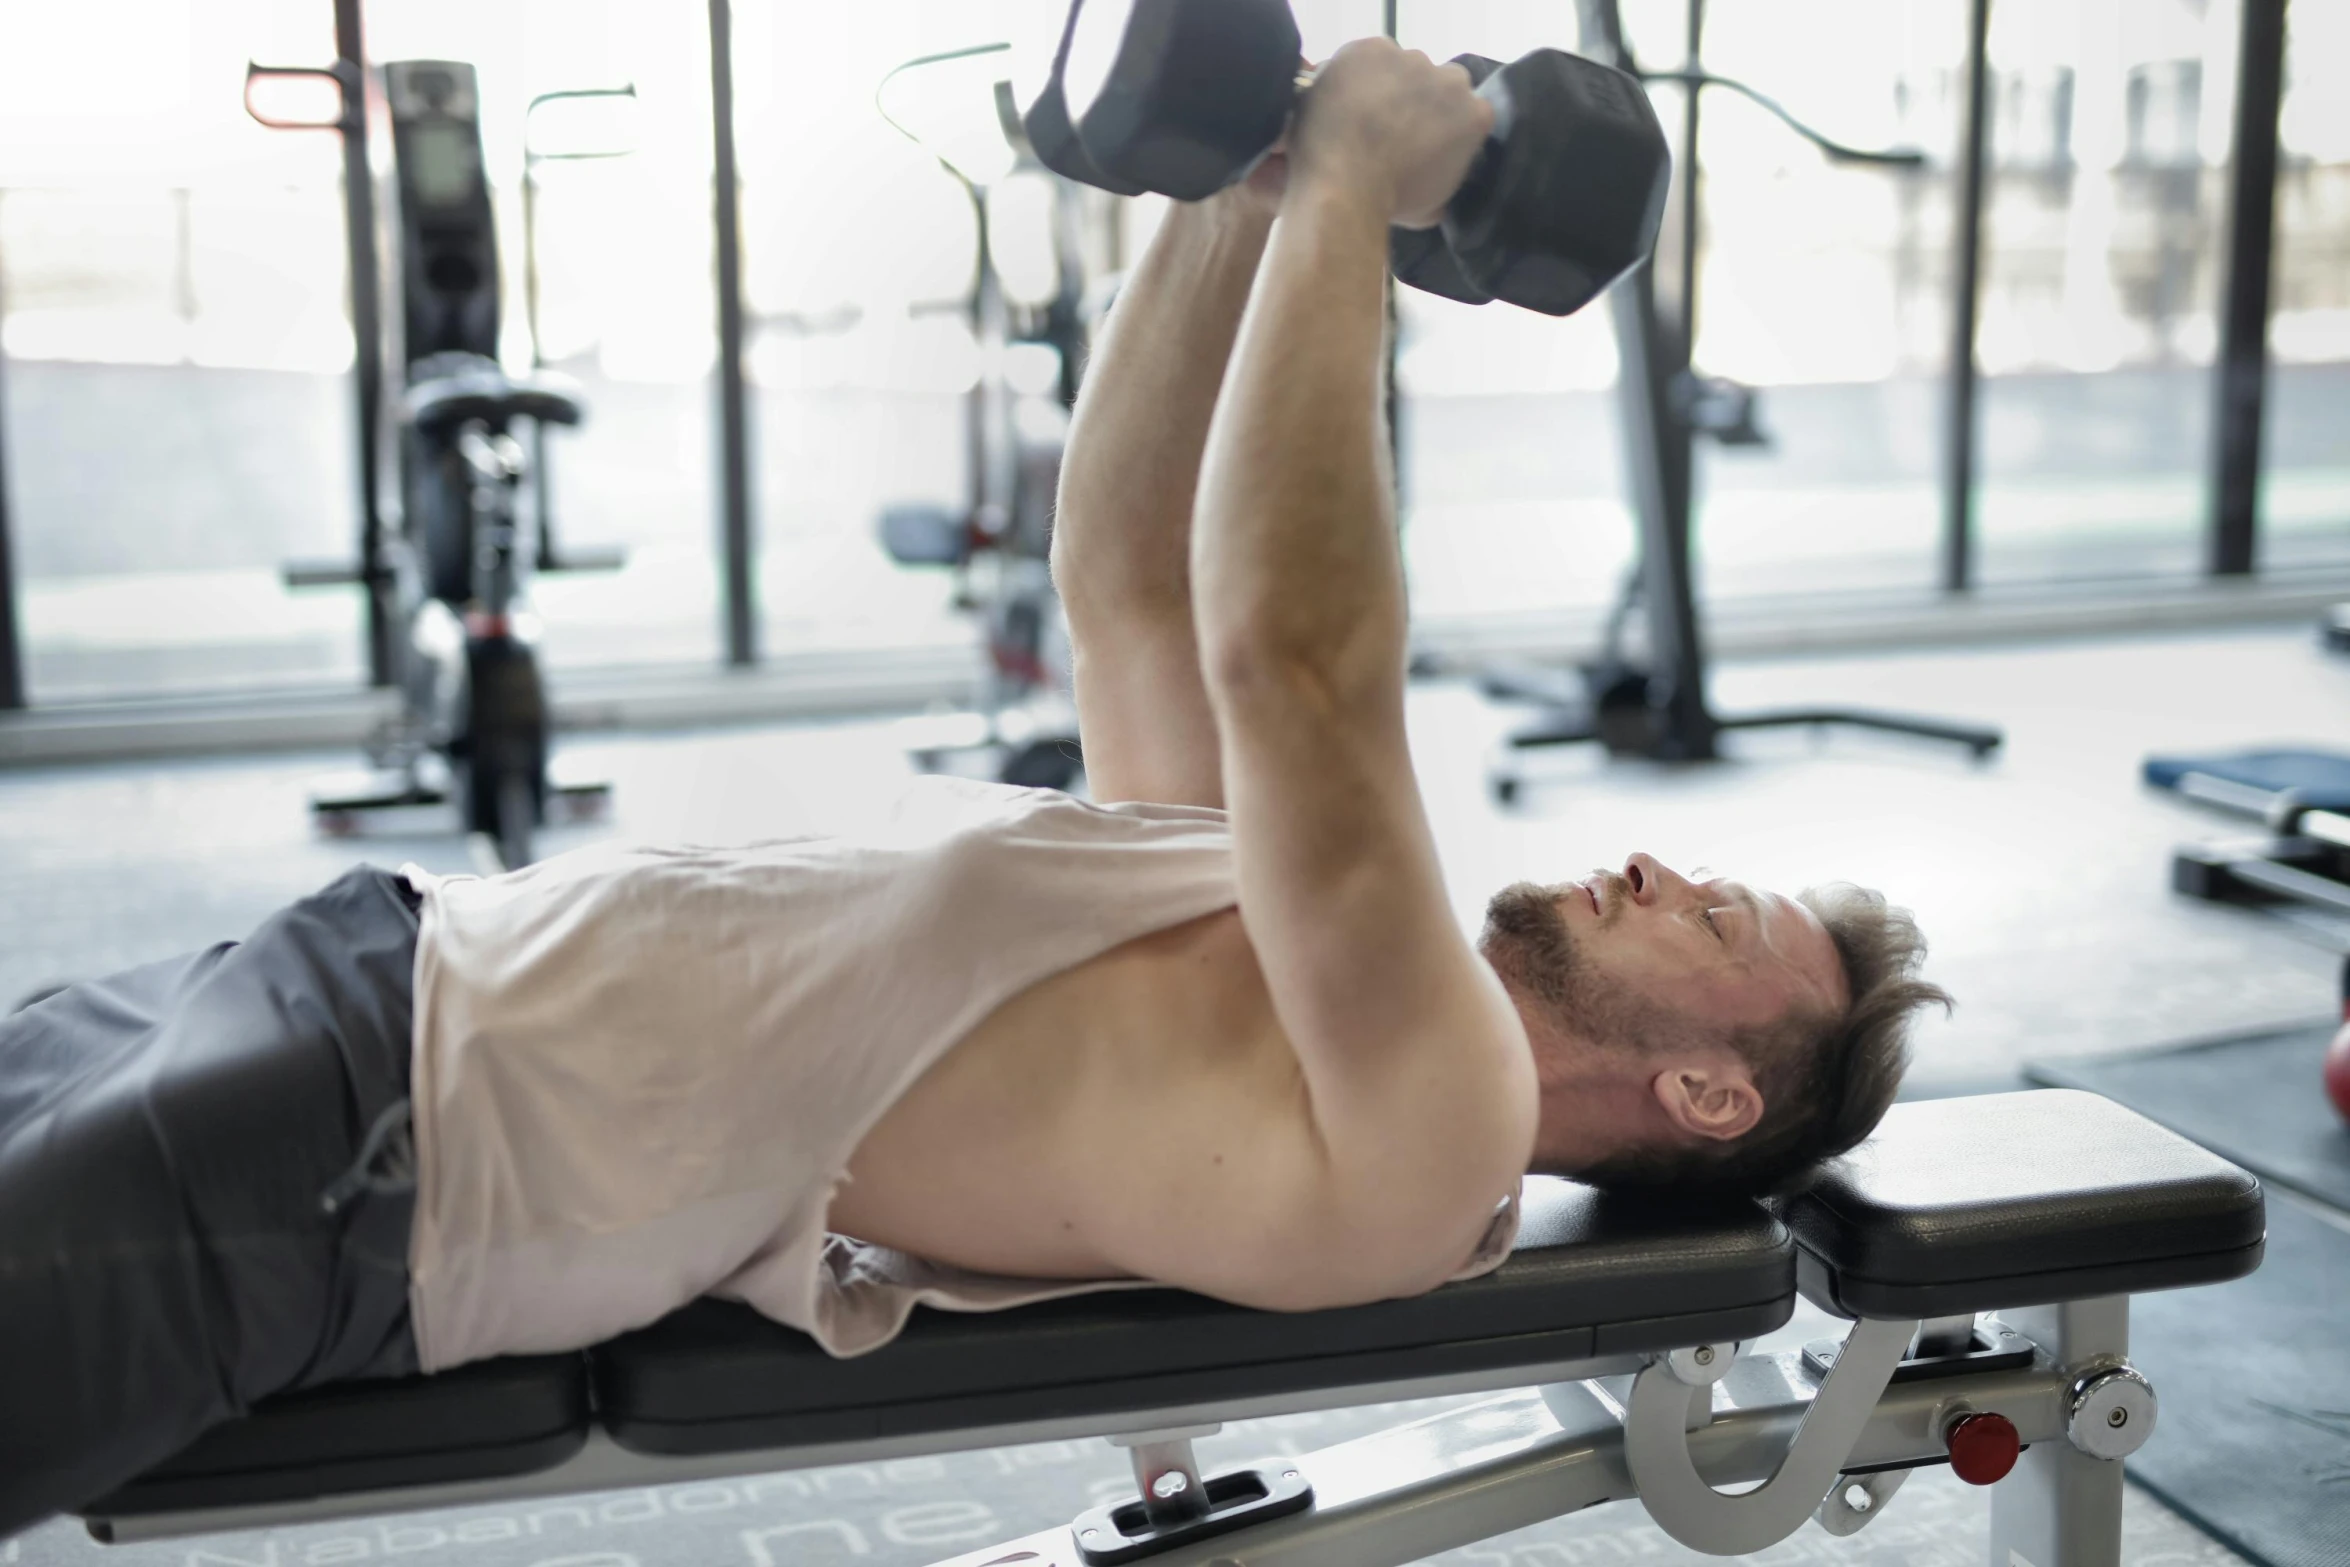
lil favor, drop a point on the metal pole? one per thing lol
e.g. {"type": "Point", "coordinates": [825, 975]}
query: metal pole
{"type": "Point", "coordinates": [530, 254]}
{"type": "Point", "coordinates": [183, 269]}
{"type": "Point", "coordinates": [1669, 586]}
{"type": "Point", "coordinates": [734, 462]}
{"type": "Point", "coordinates": [367, 347]}
{"type": "Point", "coordinates": [541, 501]}
{"type": "Point", "coordinates": [11, 654]}
{"type": "Point", "coordinates": [1958, 435]}
{"type": "Point", "coordinates": [2240, 378]}
{"type": "Point", "coordinates": [1387, 22]}
{"type": "Point", "coordinates": [358, 108]}
{"type": "Point", "coordinates": [366, 333]}
{"type": "Point", "coordinates": [1686, 305]}
{"type": "Point", "coordinates": [987, 431]}
{"type": "Point", "coordinates": [1653, 357]}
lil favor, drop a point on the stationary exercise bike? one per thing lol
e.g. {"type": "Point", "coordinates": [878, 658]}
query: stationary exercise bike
{"type": "Point", "coordinates": [445, 565]}
{"type": "Point", "coordinates": [472, 725]}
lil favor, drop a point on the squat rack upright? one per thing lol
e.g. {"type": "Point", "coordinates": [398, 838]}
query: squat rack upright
{"type": "Point", "coordinates": [1657, 708]}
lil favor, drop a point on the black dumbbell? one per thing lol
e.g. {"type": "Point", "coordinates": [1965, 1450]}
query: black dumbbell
{"type": "Point", "coordinates": [1421, 257]}
{"type": "Point", "coordinates": [1564, 198]}
{"type": "Point", "coordinates": [1207, 159]}
{"type": "Point", "coordinates": [1044, 122]}
{"type": "Point", "coordinates": [1568, 192]}
{"type": "Point", "coordinates": [1182, 97]}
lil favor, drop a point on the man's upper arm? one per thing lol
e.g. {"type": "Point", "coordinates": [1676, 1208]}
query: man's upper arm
{"type": "Point", "coordinates": [1417, 1066]}
{"type": "Point", "coordinates": [1143, 712]}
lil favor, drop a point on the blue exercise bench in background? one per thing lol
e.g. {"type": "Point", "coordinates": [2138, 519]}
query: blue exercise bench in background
{"type": "Point", "coordinates": [2302, 798]}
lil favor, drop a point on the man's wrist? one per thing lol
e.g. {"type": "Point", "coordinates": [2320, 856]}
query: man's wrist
{"type": "Point", "coordinates": [1232, 215]}
{"type": "Point", "coordinates": [1346, 195]}
{"type": "Point", "coordinates": [1217, 238]}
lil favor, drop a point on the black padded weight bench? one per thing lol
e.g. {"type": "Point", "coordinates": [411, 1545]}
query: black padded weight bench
{"type": "Point", "coordinates": [1620, 1326]}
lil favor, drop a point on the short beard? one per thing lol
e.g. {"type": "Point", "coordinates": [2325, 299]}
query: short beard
{"type": "Point", "coordinates": [1527, 941]}
{"type": "Point", "coordinates": [1529, 944]}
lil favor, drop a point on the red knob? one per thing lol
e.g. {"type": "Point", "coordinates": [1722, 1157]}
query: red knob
{"type": "Point", "coordinates": [1983, 1448]}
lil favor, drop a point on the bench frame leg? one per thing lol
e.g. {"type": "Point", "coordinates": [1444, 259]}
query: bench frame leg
{"type": "Point", "coordinates": [2061, 1507]}
{"type": "Point", "coordinates": [1470, 1473]}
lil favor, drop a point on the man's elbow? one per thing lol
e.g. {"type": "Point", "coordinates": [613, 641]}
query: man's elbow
{"type": "Point", "coordinates": [1325, 1275]}
{"type": "Point", "coordinates": [1316, 1279]}
{"type": "Point", "coordinates": [1380, 1244]}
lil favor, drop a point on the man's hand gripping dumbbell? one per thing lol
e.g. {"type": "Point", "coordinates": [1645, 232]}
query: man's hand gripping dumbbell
{"type": "Point", "coordinates": [1184, 97]}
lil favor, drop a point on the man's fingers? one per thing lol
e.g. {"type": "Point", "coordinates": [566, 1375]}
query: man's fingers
{"type": "Point", "coordinates": [1378, 105]}
{"type": "Point", "coordinates": [1485, 104]}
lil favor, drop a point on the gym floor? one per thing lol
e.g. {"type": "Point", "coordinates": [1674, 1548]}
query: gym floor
{"type": "Point", "coordinates": [2041, 877]}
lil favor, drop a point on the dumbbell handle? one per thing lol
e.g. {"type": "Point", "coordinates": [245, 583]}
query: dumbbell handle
{"type": "Point", "coordinates": [1503, 111]}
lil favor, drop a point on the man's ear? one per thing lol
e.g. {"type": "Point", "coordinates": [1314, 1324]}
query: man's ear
{"type": "Point", "coordinates": [1714, 1100]}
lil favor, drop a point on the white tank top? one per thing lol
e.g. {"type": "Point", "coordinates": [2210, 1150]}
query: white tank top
{"type": "Point", "coordinates": [640, 1073]}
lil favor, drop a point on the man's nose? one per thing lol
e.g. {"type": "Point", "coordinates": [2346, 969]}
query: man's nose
{"type": "Point", "coordinates": [1651, 879]}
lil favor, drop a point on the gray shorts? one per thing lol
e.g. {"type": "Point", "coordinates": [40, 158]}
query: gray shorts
{"type": "Point", "coordinates": [206, 1188]}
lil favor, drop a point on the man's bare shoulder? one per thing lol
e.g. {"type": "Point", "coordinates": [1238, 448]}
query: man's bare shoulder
{"type": "Point", "coordinates": [1250, 1198]}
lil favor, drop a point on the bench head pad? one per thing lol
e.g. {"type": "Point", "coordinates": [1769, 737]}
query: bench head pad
{"type": "Point", "coordinates": [2021, 1199]}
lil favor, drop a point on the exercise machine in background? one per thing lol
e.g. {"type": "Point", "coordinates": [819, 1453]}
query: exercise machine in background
{"type": "Point", "coordinates": [999, 542]}
{"type": "Point", "coordinates": [2300, 865]}
{"type": "Point", "coordinates": [443, 554]}
{"type": "Point", "coordinates": [2297, 869]}
{"type": "Point", "coordinates": [1654, 705]}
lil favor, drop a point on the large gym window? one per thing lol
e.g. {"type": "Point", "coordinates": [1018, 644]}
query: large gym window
{"type": "Point", "coordinates": [180, 350]}
{"type": "Point", "coordinates": [2102, 269]}
{"type": "Point", "coordinates": [178, 413]}
{"type": "Point", "coordinates": [2305, 517]}
{"type": "Point", "coordinates": [859, 249]}
{"type": "Point", "coordinates": [1824, 286]}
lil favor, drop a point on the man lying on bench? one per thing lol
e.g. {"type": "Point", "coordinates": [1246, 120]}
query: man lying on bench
{"type": "Point", "coordinates": [1219, 1031]}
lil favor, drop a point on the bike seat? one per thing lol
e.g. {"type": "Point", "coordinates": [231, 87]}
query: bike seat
{"type": "Point", "coordinates": [450, 390]}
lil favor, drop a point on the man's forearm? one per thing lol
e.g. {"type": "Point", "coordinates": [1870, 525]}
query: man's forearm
{"type": "Point", "coordinates": [1122, 534]}
{"type": "Point", "coordinates": [1294, 559]}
